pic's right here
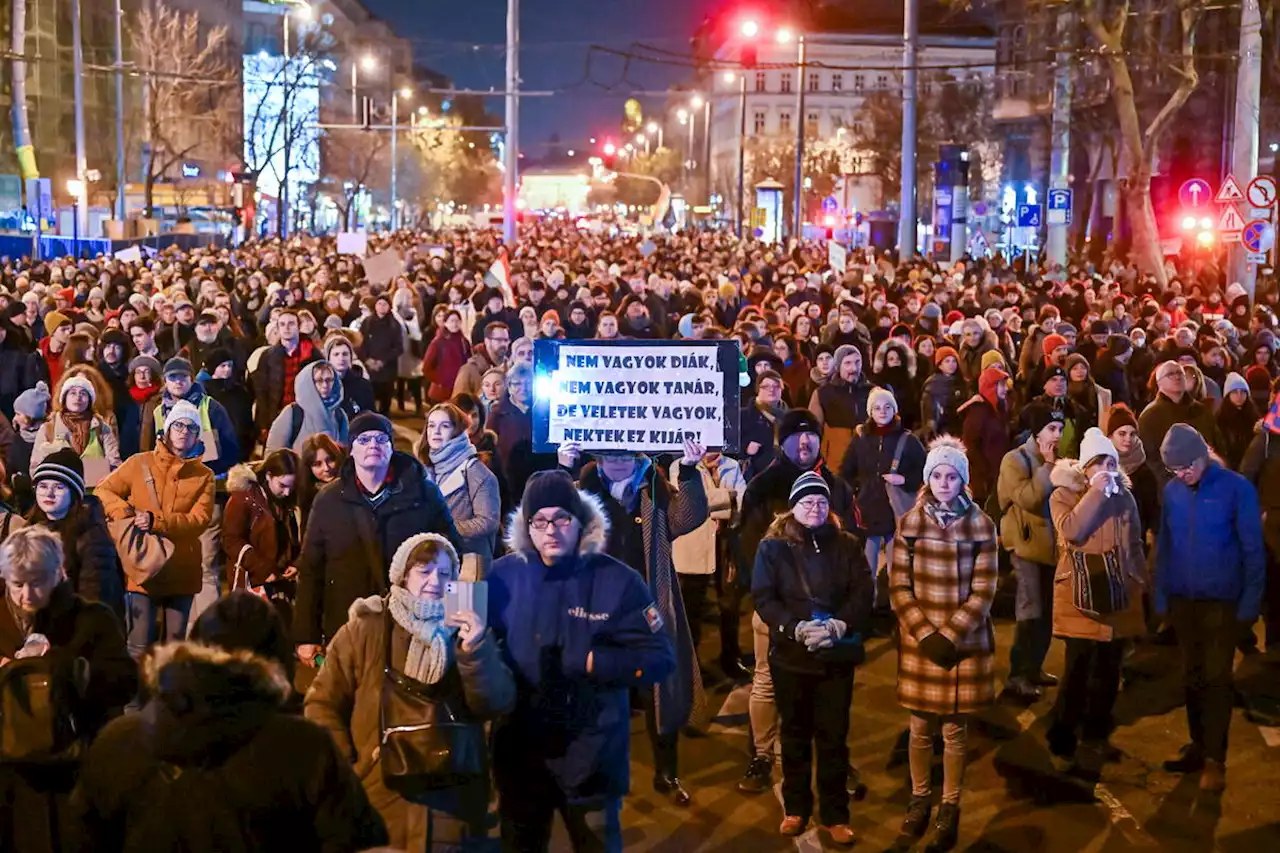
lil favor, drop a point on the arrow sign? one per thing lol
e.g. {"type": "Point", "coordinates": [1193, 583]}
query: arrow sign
{"type": "Point", "coordinates": [1229, 192]}
{"type": "Point", "coordinates": [1230, 225]}
{"type": "Point", "coordinates": [1262, 191]}
{"type": "Point", "coordinates": [1194, 192]}
{"type": "Point", "coordinates": [1255, 236]}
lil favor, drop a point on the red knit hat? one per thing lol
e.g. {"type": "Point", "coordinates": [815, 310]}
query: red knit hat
{"type": "Point", "coordinates": [987, 382]}
{"type": "Point", "coordinates": [1051, 343]}
{"type": "Point", "coordinates": [941, 354]}
{"type": "Point", "coordinates": [953, 316]}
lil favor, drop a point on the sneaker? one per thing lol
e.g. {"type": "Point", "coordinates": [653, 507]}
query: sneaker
{"type": "Point", "coordinates": [792, 825]}
{"type": "Point", "coordinates": [916, 823]}
{"type": "Point", "coordinates": [948, 828]}
{"type": "Point", "coordinates": [1190, 760]}
{"type": "Point", "coordinates": [841, 834]}
{"type": "Point", "coordinates": [1214, 776]}
{"type": "Point", "coordinates": [757, 778]}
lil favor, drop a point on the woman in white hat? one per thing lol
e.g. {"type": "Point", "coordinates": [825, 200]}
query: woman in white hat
{"type": "Point", "coordinates": [82, 421]}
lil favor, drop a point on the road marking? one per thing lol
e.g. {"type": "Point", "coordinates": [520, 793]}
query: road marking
{"type": "Point", "coordinates": [1271, 735]}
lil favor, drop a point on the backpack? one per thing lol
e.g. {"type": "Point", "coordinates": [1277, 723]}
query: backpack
{"type": "Point", "coordinates": [295, 426]}
{"type": "Point", "coordinates": [37, 718]}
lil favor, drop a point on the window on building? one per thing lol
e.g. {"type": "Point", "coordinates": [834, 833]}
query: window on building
{"type": "Point", "coordinates": [784, 122]}
{"type": "Point", "coordinates": [815, 81]}
{"type": "Point", "coordinates": [757, 123]}
{"type": "Point", "coordinates": [882, 81]}
{"type": "Point", "coordinates": [762, 83]}
{"type": "Point", "coordinates": [786, 82]}
{"type": "Point", "coordinates": [811, 122]}
{"type": "Point", "coordinates": [859, 82]}
{"type": "Point", "coordinates": [837, 82]}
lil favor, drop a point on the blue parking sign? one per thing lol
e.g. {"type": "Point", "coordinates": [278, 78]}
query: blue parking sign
{"type": "Point", "coordinates": [1029, 216]}
{"type": "Point", "coordinates": [1059, 207]}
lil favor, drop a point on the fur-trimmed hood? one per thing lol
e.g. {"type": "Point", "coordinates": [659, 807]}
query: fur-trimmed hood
{"type": "Point", "coordinates": [595, 532]}
{"type": "Point", "coordinates": [1069, 474]}
{"type": "Point", "coordinates": [241, 478]}
{"type": "Point", "coordinates": [908, 356]}
{"type": "Point", "coordinates": [207, 702]}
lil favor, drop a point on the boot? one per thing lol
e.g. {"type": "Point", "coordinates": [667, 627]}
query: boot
{"type": "Point", "coordinates": [672, 785]}
{"type": "Point", "coordinates": [916, 823]}
{"type": "Point", "coordinates": [1213, 779]}
{"type": "Point", "coordinates": [1190, 760]}
{"type": "Point", "coordinates": [854, 786]}
{"type": "Point", "coordinates": [1022, 689]}
{"type": "Point", "coordinates": [948, 828]}
{"type": "Point", "coordinates": [757, 778]}
{"type": "Point", "coordinates": [1045, 679]}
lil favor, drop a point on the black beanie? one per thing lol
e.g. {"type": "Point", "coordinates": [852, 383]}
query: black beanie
{"type": "Point", "coordinates": [64, 466]}
{"type": "Point", "coordinates": [215, 357]}
{"type": "Point", "coordinates": [552, 489]}
{"type": "Point", "coordinates": [370, 422]}
{"type": "Point", "coordinates": [796, 421]}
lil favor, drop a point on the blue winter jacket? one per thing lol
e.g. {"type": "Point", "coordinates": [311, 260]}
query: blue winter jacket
{"type": "Point", "coordinates": [568, 724]}
{"type": "Point", "coordinates": [1210, 545]}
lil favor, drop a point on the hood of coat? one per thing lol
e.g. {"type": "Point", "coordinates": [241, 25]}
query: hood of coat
{"type": "Point", "coordinates": [207, 702]}
{"type": "Point", "coordinates": [1069, 474]}
{"type": "Point", "coordinates": [593, 540]}
{"type": "Point", "coordinates": [241, 478]}
{"type": "Point", "coordinates": [304, 389]}
{"type": "Point", "coordinates": [907, 353]}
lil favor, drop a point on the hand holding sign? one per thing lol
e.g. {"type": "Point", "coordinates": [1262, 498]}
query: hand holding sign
{"type": "Point", "coordinates": [567, 454]}
{"type": "Point", "coordinates": [693, 452]}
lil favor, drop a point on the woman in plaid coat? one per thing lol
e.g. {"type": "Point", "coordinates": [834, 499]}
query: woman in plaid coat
{"type": "Point", "coordinates": [941, 586]}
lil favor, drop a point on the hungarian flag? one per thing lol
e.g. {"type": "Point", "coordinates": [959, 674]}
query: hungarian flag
{"type": "Point", "coordinates": [499, 276]}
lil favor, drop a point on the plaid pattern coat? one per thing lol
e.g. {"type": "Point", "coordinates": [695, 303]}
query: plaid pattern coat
{"type": "Point", "coordinates": [944, 579]}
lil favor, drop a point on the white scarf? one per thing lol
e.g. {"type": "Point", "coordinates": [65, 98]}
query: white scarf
{"type": "Point", "coordinates": [428, 657]}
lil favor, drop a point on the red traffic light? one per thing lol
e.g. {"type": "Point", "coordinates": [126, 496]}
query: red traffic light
{"type": "Point", "coordinates": [609, 149]}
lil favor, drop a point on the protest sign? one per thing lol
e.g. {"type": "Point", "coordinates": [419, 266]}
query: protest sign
{"type": "Point", "coordinates": [130, 255]}
{"type": "Point", "coordinates": [837, 256]}
{"type": "Point", "coordinates": [635, 395]}
{"type": "Point", "coordinates": [353, 243]}
{"type": "Point", "coordinates": [383, 267]}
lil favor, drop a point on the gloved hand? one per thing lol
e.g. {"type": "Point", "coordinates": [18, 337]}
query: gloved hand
{"type": "Point", "coordinates": [810, 632]}
{"type": "Point", "coordinates": [941, 651]}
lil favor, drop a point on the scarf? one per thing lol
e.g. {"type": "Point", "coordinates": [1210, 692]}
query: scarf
{"type": "Point", "coordinates": [942, 514]}
{"type": "Point", "coordinates": [430, 640]}
{"type": "Point", "coordinates": [449, 460]}
{"type": "Point", "coordinates": [141, 395]}
{"type": "Point", "coordinates": [771, 413]}
{"type": "Point", "coordinates": [626, 492]}
{"type": "Point", "coordinates": [79, 425]}
{"type": "Point", "coordinates": [1134, 459]}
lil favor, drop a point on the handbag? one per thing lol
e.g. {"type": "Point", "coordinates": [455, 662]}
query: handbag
{"type": "Point", "coordinates": [143, 553]}
{"type": "Point", "coordinates": [1098, 585]}
{"type": "Point", "coordinates": [899, 498]}
{"type": "Point", "coordinates": [236, 583]}
{"type": "Point", "coordinates": [425, 744]}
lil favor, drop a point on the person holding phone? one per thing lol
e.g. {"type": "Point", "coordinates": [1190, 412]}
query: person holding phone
{"type": "Point", "coordinates": [453, 656]}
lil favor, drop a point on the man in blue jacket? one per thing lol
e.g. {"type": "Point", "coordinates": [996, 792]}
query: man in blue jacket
{"type": "Point", "coordinates": [1210, 575]}
{"type": "Point", "coordinates": [579, 630]}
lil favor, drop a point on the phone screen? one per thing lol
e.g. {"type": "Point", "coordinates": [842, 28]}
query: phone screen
{"type": "Point", "coordinates": [464, 596]}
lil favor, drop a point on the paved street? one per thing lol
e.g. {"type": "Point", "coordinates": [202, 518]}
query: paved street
{"type": "Point", "coordinates": [1014, 799]}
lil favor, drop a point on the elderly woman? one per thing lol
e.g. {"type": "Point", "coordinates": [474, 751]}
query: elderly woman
{"type": "Point", "coordinates": [1100, 534]}
{"type": "Point", "coordinates": [442, 667]}
{"type": "Point", "coordinates": [469, 488]}
{"type": "Point", "coordinates": [46, 630]}
{"type": "Point", "coordinates": [80, 423]}
{"type": "Point", "coordinates": [942, 584]}
{"type": "Point", "coordinates": [813, 589]}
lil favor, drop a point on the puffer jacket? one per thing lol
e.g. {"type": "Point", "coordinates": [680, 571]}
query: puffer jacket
{"type": "Point", "coordinates": [1023, 490]}
{"type": "Point", "coordinates": [185, 490]}
{"type": "Point", "coordinates": [345, 699]}
{"type": "Point", "coordinates": [1088, 521]}
{"type": "Point", "coordinates": [868, 459]}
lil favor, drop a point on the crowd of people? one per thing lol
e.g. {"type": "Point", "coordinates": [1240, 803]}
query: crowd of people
{"type": "Point", "coordinates": [236, 588]}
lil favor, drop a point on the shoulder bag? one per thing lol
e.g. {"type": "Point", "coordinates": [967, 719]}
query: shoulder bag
{"type": "Point", "coordinates": [899, 498]}
{"type": "Point", "coordinates": [142, 553]}
{"type": "Point", "coordinates": [426, 742]}
{"type": "Point", "coordinates": [1098, 586]}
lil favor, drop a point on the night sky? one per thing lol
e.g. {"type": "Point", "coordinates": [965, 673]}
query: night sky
{"type": "Point", "coordinates": [464, 38]}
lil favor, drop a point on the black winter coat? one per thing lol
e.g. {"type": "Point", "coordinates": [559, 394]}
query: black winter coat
{"type": "Point", "coordinates": [214, 764]}
{"type": "Point", "coordinates": [835, 571]}
{"type": "Point", "coordinates": [755, 427]}
{"type": "Point", "coordinates": [236, 399]}
{"type": "Point", "coordinates": [89, 554]}
{"type": "Point", "coordinates": [268, 381]}
{"type": "Point", "coordinates": [348, 544]}
{"type": "Point", "coordinates": [868, 459]}
{"type": "Point", "coordinates": [357, 393]}
{"type": "Point", "coordinates": [383, 342]}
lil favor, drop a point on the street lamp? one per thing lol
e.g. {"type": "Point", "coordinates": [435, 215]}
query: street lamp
{"type": "Point", "coordinates": [75, 186]}
{"type": "Point", "coordinates": [654, 127]}
{"type": "Point", "coordinates": [404, 93]}
{"type": "Point", "coordinates": [750, 29]}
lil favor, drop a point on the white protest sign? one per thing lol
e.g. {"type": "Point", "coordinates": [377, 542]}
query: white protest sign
{"type": "Point", "coordinates": [383, 267]}
{"type": "Point", "coordinates": [131, 255]}
{"type": "Point", "coordinates": [837, 256]}
{"type": "Point", "coordinates": [353, 243]}
{"type": "Point", "coordinates": [635, 397]}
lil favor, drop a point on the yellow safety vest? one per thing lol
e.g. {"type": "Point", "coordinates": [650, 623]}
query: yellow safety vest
{"type": "Point", "coordinates": [207, 435]}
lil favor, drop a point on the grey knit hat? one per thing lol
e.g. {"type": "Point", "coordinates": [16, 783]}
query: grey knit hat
{"type": "Point", "coordinates": [34, 402]}
{"type": "Point", "coordinates": [1182, 446]}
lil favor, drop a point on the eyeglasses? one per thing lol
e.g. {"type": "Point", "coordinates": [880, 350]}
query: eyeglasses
{"type": "Point", "coordinates": [561, 521]}
{"type": "Point", "coordinates": [1178, 472]}
{"type": "Point", "coordinates": [381, 439]}
{"type": "Point", "coordinates": [813, 504]}
{"type": "Point", "coordinates": [185, 427]}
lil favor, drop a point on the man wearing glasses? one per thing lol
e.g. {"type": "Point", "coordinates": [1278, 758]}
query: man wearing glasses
{"type": "Point", "coordinates": [579, 629]}
{"type": "Point", "coordinates": [1210, 575]}
{"type": "Point", "coordinates": [381, 497]}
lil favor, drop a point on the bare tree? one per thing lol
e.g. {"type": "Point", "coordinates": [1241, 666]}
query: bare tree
{"type": "Point", "coordinates": [355, 160]}
{"type": "Point", "coordinates": [189, 92]}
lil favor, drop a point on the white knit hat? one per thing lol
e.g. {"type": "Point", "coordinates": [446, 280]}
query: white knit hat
{"type": "Point", "coordinates": [400, 562]}
{"type": "Point", "coordinates": [881, 395]}
{"type": "Point", "coordinates": [182, 411]}
{"type": "Point", "coordinates": [946, 450]}
{"type": "Point", "coordinates": [1095, 444]}
{"type": "Point", "coordinates": [1234, 382]}
{"type": "Point", "coordinates": [81, 382]}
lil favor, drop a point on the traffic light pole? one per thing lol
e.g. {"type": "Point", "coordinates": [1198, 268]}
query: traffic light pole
{"type": "Point", "coordinates": [907, 205]}
{"type": "Point", "coordinates": [1060, 153]}
{"type": "Point", "coordinates": [1244, 148]}
{"type": "Point", "coordinates": [511, 150]}
{"type": "Point", "coordinates": [797, 230]}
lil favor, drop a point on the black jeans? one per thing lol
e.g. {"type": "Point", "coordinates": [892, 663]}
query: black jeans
{"type": "Point", "coordinates": [1033, 633]}
{"type": "Point", "coordinates": [666, 747]}
{"type": "Point", "coordinates": [382, 393]}
{"type": "Point", "coordinates": [1271, 535]}
{"type": "Point", "coordinates": [814, 713]}
{"type": "Point", "coordinates": [1087, 695]}
{"type": "Point", "coordinates": [414, 386]}
{"type": "Point", "coordinates": [526, 815]}
{"type": "Point", "coordinates": [693, 590]}
{"type": "Point", "coordinates": [1207, 633]}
